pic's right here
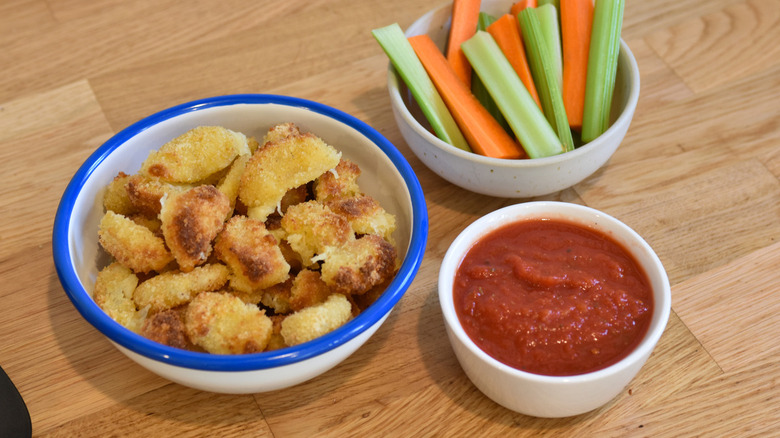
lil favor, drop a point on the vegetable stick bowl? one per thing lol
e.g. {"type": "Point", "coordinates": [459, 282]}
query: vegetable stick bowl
{"type": "Point", "coordinates": [502, 177]}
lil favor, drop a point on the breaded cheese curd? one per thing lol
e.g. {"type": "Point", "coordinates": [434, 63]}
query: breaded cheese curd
{"type": "Point", "coordinates": [221, 323]}
{"type": "Point", "coordinates": [315, 321]}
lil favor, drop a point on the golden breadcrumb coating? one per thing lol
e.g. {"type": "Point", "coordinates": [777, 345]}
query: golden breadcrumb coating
{"type": "Point", "coordinates": [252, 297]}
{"type": "Point", "coordinates": [364, 300]}
{"type": "Point", "coordinates": [359, 265]}
{"type": "Point", "coordinates": [116, 198]}
{"type": "Point", "coordinates": [114, 294]}
{"type": "Point", "coordinates": [339, 190]}
{"type": "Point", "coordinates": [277, 297]}
{"type": "Point", "coordinates": [253, 144]}
{"type": "Point", "coordinates": [215, 178]}
{"type": "Point", "coordinates": [280, 132]}
{"type": "Point", "coordinates": [311, 228]}
{"type": "Point", "coordinates": [152, 223]}
{"type": "Point", "coordinates": [174, 288]}
{"type": "Point", "coordinates": [228, 185]}
{"type": "Point", "coordinates": [146, 192]}
{"type": "Point", "coordinates": [294, 196]}
{"type": "Point", "coordinates": [277, 341]}
{"type": "Point", "coordinates": [282, 165]}
{"type": "Point", "coordinates": [307, 290]}
{"type": "Point", "coordinates": [195, 155]}
{"type": "Point", "coordinates": [167, 328]}
{"type": "Point", "coordinates": [365, 215]}
{"type": "Point", "coordinates": [339, 183]}
{"type": "Point", "coordinates": [132, 245]}
{"type": "Point", "coordinates": [273, 225]}
{"type": "Point", "coordinates": [221, 323]}
{"type": "Point", "coordinates": [190, 222]}
{"type": "Point", "coordinates": [252, 254]}
{"type": "Point", "coordinates": [315, 321]}
{"type": "Point", "coordinates": [291, 256]}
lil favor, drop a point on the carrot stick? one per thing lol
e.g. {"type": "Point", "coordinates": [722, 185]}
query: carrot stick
{"type": "Point", "coordinates": [482, 131]}
{"type": "Point", "coordinates": [520, 5]}
{"type": "Point", "coordinates": [393, 41]}
{"type": "Point", "coordinates": [576, 25]}
{"type": "Point", "coordinates": [506, 31]}
{"type": "Point", "coordinates": [465, 14]}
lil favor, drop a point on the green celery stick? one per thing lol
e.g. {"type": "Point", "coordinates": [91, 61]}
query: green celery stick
{"type": "Point", "coordinates": [478, 89]}
{"type": "Point", "coordinates": [411, 70]}
{"type": "Point", "coordinates": [485, 20]}
{"type": "Point", "coordinates": [602, 67]}
{"type": "Point", "coordinates": [556, 3]}
{"type": "Point", "coordinates": [548, 18]}
{"type": "Point", "coordinates": [543, 71]}
{"type": "Point", "coordinates": [516, 104]}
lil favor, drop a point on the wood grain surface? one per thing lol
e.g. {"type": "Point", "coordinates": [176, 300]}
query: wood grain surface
{"type": "Point", "coordinates": [698, 176]}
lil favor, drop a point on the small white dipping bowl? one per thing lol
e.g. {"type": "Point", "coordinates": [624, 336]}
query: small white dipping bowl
{"type": "Point", "coordinates": [386, 176]}
{"type": "Point", "coordinates": [501, 177]}
{"type": "Point", "coordinates": [540, 395]}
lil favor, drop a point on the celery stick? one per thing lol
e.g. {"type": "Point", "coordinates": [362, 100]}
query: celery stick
{"type": "Point", "coordinates": [409, 67]}
{"type": "Point", "coordinates": [602, 67]}
{"type": "Point", "coordinates": [543, 71]}
{"type": "Point", "coordinates": [516, 104]}
{"type": "Point", "coordinates": [548, 19]}
{"type": "Point", "coordinates": [485, 20]}
{"type": "Point", "coordinates": [557, 5]}
{"type": "Point", "coordinates": [478, 88]}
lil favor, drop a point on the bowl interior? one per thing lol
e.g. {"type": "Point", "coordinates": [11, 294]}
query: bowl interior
{"type": "Point", "coordinates": [583, 216]}
{"type": "Point", "coordinates": [436, 24]}
{"type": "Point", "coordinates": [385, 175]}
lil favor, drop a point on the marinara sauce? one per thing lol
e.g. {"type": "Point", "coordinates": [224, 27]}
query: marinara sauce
{"type": "Point", "coordinates": [551, 297]}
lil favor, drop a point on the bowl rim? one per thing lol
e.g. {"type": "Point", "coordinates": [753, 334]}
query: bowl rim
{"type": "Point", "coordinates": [245, 362]}
{"type": "Point", "coordinates": [519, 212]}
{"type": "Point", "coordinates": [625, 56]}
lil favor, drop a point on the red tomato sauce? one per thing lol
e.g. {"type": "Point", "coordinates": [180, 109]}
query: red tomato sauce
{"type": "Point", "coordinates": [551, 297]}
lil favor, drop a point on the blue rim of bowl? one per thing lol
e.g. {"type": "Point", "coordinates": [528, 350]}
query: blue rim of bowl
{"type": "Point", "coordinates": [246, 362]}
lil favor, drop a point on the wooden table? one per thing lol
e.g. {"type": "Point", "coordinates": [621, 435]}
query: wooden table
{"type": "Point", "coordinates": [697, 176]}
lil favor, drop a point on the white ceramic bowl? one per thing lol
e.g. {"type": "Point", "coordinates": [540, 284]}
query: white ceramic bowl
{"type": "Point", "coordinates": [386, 176]}
{"type": "Point", "coordinates": [500, 177]}
{"type": "Point", "coordinates": [540, 395]}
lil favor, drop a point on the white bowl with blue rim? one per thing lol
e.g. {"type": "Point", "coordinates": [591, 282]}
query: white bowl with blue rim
{"type": "Point", "coordinates": [386, 175]}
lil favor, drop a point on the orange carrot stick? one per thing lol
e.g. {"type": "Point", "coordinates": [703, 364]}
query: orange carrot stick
{"type": "Point", "coordinates": [506, 31]}
{"type": "Point", "coordinates": [465, 14]}
{"type": "Point", "coordinates": [482, 131]}
{"type": "Point", "coordinates": [522, 4]}
{"type": "Point", "coordinates": [576, 25]}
